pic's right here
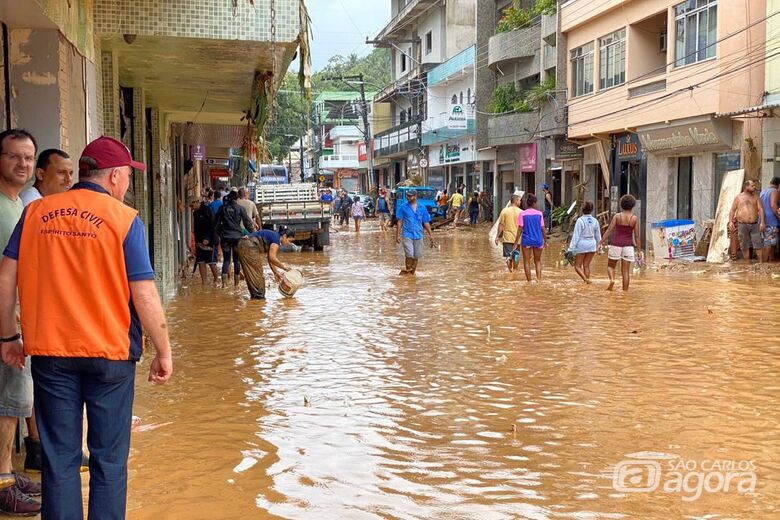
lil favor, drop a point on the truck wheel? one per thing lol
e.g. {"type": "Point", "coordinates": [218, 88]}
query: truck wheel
{"type": "Point", "coordinates": [315, 242]}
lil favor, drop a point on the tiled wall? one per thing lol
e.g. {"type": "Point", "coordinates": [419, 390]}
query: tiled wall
{"type": "Point", "coordinates": [213, 19]}
{"type": "Point", "coordinates": [109, 73]}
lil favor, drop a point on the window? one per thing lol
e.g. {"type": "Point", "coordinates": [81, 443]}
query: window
{"type": "Point", "coordinates": [454, 99]}
{"type": "Point", "coordinates": [695, 24]}
{"type": "Point", "coordinates": [403, 62]}
{"type": "Point", "coordinates": [428, 42]}
{"type": "Point", "coordinates": [461, 97]}
{"type": "Point", "coordinates": [582, 70]}
{"type": "Point", "coordinates": [468, 95]}
{"type": "Point", "coordinates": [612, 59]}
{"type": "Point", "coordinates": [684, 187]}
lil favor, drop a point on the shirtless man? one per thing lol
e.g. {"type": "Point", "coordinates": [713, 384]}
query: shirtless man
{"type": "Point", "coordinates": [747, 217]}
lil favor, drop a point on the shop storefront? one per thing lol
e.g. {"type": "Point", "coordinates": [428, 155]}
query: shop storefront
{"type": "Point", "coordinates": [682, 166]}
{"type": "Point", "coordinates": [455, 159]}
{"type": "Point", "coordinates": [629, 172]}
{"type": "Point", "coordinates": [527, 155]}
{"type": "Point", "coordinates": [566, 169]}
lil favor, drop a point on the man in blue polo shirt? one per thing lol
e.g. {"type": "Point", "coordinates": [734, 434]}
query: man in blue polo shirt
{"type": "Point", "coordinates": [412, 219]}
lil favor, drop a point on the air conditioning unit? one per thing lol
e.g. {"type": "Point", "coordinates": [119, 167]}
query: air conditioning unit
{"type": "Point", "coordinates": [662, 41]}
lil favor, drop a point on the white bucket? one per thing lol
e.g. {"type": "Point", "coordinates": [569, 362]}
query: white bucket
{"type": "Point", "coordinates": [291, 282]}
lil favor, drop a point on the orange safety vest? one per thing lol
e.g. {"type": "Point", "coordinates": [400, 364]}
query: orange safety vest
{"type": "Point", "coordinates": [73, 289]}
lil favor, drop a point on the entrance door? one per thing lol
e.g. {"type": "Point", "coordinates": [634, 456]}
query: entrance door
{"type": "Point", "coordinates": [556, 187]}
{"type": "Point", "coordinates": [685, 187]}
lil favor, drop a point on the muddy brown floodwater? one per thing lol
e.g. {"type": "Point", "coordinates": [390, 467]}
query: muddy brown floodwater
{"type": "Point", "coordinates": [464, 394]}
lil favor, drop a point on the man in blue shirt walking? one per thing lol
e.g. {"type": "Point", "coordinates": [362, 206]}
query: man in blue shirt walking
{"type": "Point", "coordinates": [412, 219]}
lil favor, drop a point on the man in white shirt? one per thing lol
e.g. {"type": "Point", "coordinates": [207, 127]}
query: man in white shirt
{"type": "Point", "coordinates": [53, 174]}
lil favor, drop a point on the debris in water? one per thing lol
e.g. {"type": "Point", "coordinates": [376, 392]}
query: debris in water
{"type": "Point", "coordinates": [306, 400]}
{"type": "Point", "coordinates": [501, 358]}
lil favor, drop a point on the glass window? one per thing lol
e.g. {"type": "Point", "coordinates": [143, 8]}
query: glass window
{"type": "Point", "coordinates": [428, 42]}
{"type": "Point", "coordinates": [684, 187]}
{"type": "Point", "coordinates": [403, 62]}
{"type": "Point", "coordinates": [468, 95]}
{"type": "Point", "coordinates": [454, 99]}
{"type": "Point", "coordinates": [695, 23]}
{"type": "Point", "coordinates": [461, 98]}
{"type": "Point", "coordinates": [582, 70]}
{"type": "Point", "coordinates": [612, 59]}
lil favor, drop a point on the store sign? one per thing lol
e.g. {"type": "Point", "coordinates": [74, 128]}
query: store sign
{"type": "Point", "coordinates": [457, 119]}
{"type": "Point", "coordinates": [450, 153]}
{"type": "Point", "coordinates": [528, 157]}
{"type": "Point", "coordinates": [700, 136]}
{"type": "Point", "coordinates": [628, 147]}
{"type": "Point", "coordinates": [198, 152]}
{"type": "Point", "coordinates": [567, 150]}
{"type": "Point", "coordinates": [362, 155]}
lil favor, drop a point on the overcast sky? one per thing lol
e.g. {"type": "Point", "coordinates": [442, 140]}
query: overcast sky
{"type": "Point", "coordinates": [341, 27]}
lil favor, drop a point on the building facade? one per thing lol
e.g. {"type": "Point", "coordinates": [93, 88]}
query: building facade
{"type": "Point", "coordinates": [656, 89]}
{"type": "Point", "coordinates": [520, 109]}
{"type": "Point", "coordinates": [422, 34]}
{"type": "Point", "coordinates": [143, 71]}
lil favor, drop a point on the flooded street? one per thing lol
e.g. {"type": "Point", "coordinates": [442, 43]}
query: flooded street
{"type": "Point", "coordinates": [459, 393]}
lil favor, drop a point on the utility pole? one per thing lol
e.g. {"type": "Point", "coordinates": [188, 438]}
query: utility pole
{"type": "Point", "coordinates": [364, 113]}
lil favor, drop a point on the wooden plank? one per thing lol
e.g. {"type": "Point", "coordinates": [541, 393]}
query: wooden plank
{"type": "Point", "coordinates": [719, 243]}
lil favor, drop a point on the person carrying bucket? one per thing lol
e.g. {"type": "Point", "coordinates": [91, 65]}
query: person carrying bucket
{"type": "Point", "coordinates": [250, 252]}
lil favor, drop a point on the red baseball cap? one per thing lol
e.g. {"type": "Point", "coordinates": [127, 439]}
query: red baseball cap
{"type": "Point", "coordinates": [108, 152]}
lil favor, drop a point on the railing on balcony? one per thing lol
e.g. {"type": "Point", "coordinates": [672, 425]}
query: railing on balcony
{"type": "Point", "coordinates": [397, 139]}
{"type": "Point", "coordinates": [412, 7]}
{"type": "Point", "coordinates": [339, 161]}
{"type": "Point", "coordinates": [514, 45]}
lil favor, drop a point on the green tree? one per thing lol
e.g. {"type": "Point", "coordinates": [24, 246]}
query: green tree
{"type": "Point", "coordinates": [375, 68]}
{"type": "Point", "coordinates": [291, 110]}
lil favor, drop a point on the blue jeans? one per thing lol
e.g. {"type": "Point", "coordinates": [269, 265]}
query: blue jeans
{"type": "Point", "coordinates": [548, 220]}
{"type": "Point", "coordinates": [63, 386]}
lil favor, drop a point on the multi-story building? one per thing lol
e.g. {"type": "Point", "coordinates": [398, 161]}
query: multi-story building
{"type": "Point", "coordinates": [339, 132]}
{"type": "Point", "coordinates": [657, 91]}
{"type": "Point", "coordinates": [171, 79]}
{"type": "Point", "coordinates": [520, 109]}
{"type": "Point", "coordinates": [421, 35]}
{"type": "Point", "coordinates": [449, 132]}
{"type": "Point", "coordinates": [770, 109]}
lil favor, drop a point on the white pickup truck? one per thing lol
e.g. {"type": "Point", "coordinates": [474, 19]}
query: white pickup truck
{"type": "Point", "coordinates": [295, 206]}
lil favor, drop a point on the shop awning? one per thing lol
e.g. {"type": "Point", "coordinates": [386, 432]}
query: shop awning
{"type": "Point", "coordinates": [750, 110]}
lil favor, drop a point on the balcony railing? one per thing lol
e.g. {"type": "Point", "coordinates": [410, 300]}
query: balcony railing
{"type": "Point", "coordinates": [347, 160]}
{"type": "Point", "coordinates": [514, 45]}
{"type": "Point", "coordinates": [397, 139]}
{"type": "Point", "coordinates": [412, 9]}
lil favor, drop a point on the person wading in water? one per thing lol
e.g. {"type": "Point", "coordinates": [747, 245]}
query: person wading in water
{"type": "Point", "coordinates": [747, 217]}
{"type": "Point", "coordinates": [624, 232]}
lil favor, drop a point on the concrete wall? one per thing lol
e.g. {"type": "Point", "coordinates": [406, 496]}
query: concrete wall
{"type": "Point", "coordinates": [461, 25]}
{"type": "Point", "coordinates": [434, 22]}
{"type": "Point", "coordinates": [249, 21]}
{"type": "Point", "coordinates": [36, 83]}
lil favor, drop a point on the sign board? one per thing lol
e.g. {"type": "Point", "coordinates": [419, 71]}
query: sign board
{"type": "Point", "coordinates": [567, 150]}
{"type": "Point", "coordinates": [457, 119]}
{"type": "Point", "coordinates": [528, 157]}
{"type": "Point", "coordinates": [362, 154]}
{"type": "Point", "coordinates": [218, 162]}
{"type": "Point", "coordinates": [198, 152]}
{"type": "Point", "coordinates": [423, 163]}
{"type": "Point", "coordinates": [451, 152]}
{"type": "Point", "coordinates": [693, 137]}
{"type": "Point", "coordinates": [628, 147]}
{"type": "Point", "coordinates": [322, 178]}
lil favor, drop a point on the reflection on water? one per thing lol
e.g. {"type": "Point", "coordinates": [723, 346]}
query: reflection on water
{"type": "Point", "coordinates": [457, 394]}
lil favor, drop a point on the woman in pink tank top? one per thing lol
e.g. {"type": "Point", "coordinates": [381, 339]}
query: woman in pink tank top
{"type": "Point", "coordinates": [623, 236]}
